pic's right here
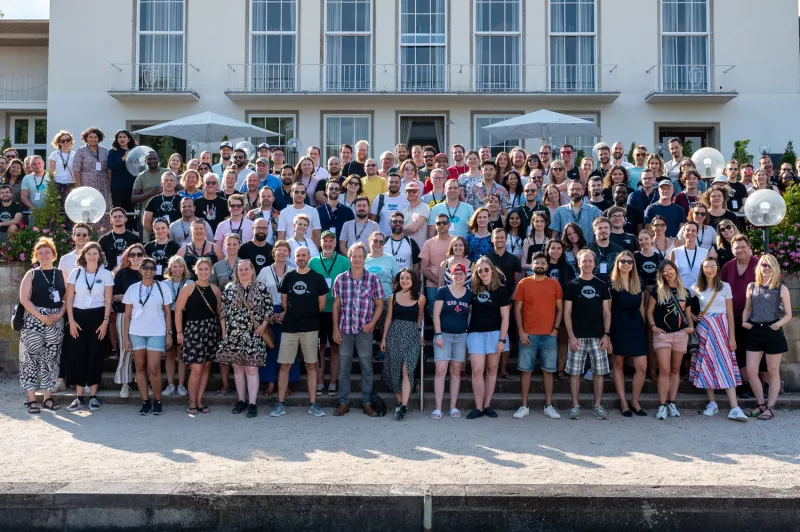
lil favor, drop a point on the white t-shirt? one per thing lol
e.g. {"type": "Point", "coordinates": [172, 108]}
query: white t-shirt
{"type": "Point", "coordinates": [63, 173]}
{"type": "Point", "coordinates": [705, 237]}
{"type": "Point", "coordinates": [272, 281]}
{"type": "Point", "coordinates": [92, 296]}
{"type": "Point", "coordinates": [294, 244]}
{"type": "Point", "coordinates": [390, 204]}
{"type": "Point", "coordinates": [286, 219]}
{"type": "Point", "coordinates": [148, 319]}
{"type": "Point", "coordinates": [68, 262]}
{"type": "Point", "coordinates": [719, 305]}
{"type": "Point", "coordinates": [180, 232]}
{"type": "Point", "coordinates": [411, 215]}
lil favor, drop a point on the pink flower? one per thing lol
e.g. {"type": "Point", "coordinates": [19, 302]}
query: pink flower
{"type": "Point", "coordinates": [785, 263]}
{"type": "Point", "coordinates": [21, 256]}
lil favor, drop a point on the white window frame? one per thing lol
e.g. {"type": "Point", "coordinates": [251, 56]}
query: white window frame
{"type": "Point", "coordinates": [325, 144]}
{"type": "Point", "coordinates": [577, 68]}
{"type": "Point", "coordinates": [267, 71]}
{"type": "Point", "coordinates": [477, 87]}
{"type": "Point", "coordinates": [31, 146]}
{"type": "Point", "coordinates": [443, 82]}
{"type": "Point", "coordinates": [506, 145]}
{"type": "Point", "coordinates": [340, 86]}
{"type": "Point", "coordinates": [702, 69]}
{"type": "Point", "coordinates": [578, 142]}
{"type": "Point", "coordinates": [282, 140]}
{"type": "Point", "coordinates": [139, 33]}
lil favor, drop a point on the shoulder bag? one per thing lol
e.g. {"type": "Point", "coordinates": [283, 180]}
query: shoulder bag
{"type": "Point", "coordinates": [694, 342]}
{"type": "Point", "coordinates": [267, 335]}
{"type": "Point", "coordinates": [18, 313]}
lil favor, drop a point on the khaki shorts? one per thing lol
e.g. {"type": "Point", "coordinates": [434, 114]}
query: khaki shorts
{"type": "Point", "coordinates": [308, 342]}
{"type": "Point", "coordinates": [677, 341]}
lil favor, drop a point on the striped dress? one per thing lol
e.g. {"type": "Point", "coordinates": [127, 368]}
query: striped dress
{"type": "Point", "coordinates": [714, 366]}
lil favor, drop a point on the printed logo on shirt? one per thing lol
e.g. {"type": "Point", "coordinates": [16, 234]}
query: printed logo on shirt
{"type": "Point", "coordinates": [119, 244]}
{"type": "Point", "coordinates": [455, 219]}
{"type": "Point", "coordinates": [649, 267]}
{"type": "Point", "coordinates": [554, 274]}
{"type": "Point", "coordinates": [5, 216]}
{"type": "Point", "coordinates": [375, 269]}
{"type": "Point", "coordinates": [484, 297]}
{"type": "Point", "coordinates": [211, 212]}
{"type": "Point", "coordinates": [159, 255]}
{"type": "Point", "coordinates": [166, 206]}
{"type": "Point", "coordinates": [261, 260]}
{"type": "Point", "coordinates": [300, 288]}
{"type": "Point", "coordinates": [589, 292]}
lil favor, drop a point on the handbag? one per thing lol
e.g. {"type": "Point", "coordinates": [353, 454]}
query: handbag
{"type": "Point", "coordinates": [694, 342]}
{"type": "Point", "coordinates": [267, 335]}
{"type": "Point", "coordinates": [18, 313]}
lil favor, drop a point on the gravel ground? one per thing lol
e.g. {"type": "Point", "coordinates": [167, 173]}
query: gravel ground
{"type": "Point", "coordinates": [115, 444]}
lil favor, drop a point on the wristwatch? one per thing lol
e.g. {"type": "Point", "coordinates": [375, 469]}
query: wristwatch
{"type": "Point", "coordinates": [502, 341]}
{"type": "Point", "coordinates": [606, 334]}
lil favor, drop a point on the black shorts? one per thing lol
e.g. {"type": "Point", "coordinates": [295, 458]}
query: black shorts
{"type": "Point", "coordinates": [762, 338]}
{"type": "Point", "coordinates": [326, 328]}
{"type": "Point", "coordinates": [741, 349]}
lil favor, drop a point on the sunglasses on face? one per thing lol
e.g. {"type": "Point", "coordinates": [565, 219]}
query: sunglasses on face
{"type": "Point", "coordinates": [659, 225]}
{"type": "Point", "coordinates": [710, 266]}
{"type": "Point", "coordinates": [626, 261]}
{"type": "Point", "coordinates": [484, 270]}
{"type": "Point", "coordinates": [148, 268]}
{"type": "Point", "coordinates": [379, 242]}
{"type": "Point", "coordinates": [440, 223]}
{"type": "Point", "coordinates": [699, 214]}
{"type": "Point", "coordinates": [397, 222]}
{"type": "Point", "coordinates": [369, 165]}
{"type": "Point", "coordinates": [236, 205]}
{"type": "Point", "coordinates": [558, 169]}
{"type": "Point", "coordinates": [727, 227]}
{"type": "Point", "coordinates": [212, 183]}
{"type": "Point", "coordinates": [64, 141]}
{"type": "Point", "coordinates": [135, 254]}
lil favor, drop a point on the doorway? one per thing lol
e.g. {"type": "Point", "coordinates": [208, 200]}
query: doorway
{"type": "Point", "coordinates": [692, 138]}
{"type": "Point", "coordinates": [422, 130]}
{"type": "Point", "coordinates": [164, 146]}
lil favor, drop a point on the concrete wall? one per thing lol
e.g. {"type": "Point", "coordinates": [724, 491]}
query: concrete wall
{"type": "Point", "coordinates": [10, 277]}
{"type": "Point", "coordinates": [20, 62]}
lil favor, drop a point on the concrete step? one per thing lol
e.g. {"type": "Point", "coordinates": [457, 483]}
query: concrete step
{"type": "Point", "coordinates": [690, 403]}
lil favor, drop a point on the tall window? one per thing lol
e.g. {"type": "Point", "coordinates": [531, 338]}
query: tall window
{"type": "Point", "coordinates": [347, 129]}
{"type": "Point", "coordinates": [572, 45]}
{"type": "Point", "coordinates": [283, 124]}
{"type": "Point", "coordinates": [484, 138]}
{"type": "Point", "coordinates": [684, 46]}
{"type": "Point", "coordinates": [161, 44]}
{"type": "Point", "coordinates": [423, 45]}
{"type": "Point", "coordinates": [584, 144]}
{"type": "Point", "coordinates": [29, 135]}
{"type": "Point", "coordinates": [273, 45]}
{"type": "Point", "coordinates": [498, 45]}
{"type": "Point", "coordinates": [348, 45]}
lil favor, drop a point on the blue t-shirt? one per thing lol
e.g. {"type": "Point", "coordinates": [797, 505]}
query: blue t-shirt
{"type": "Point", "coordinates": [384, 267]}
{"type": "Point", "coordinates": [674, 214]}
{"type": "Point", "coordinates": [455, 311]}
{"type": "Point", "coordinates": [634, 177]}
{"type": "Point", "coordinates": [459, 217]}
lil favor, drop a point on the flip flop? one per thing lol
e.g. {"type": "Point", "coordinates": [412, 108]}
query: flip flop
{"type": "Point", "coordinates": [455, 412]}
{"type": "Point", "coordinates": [203, 409]}
{"type": "Point", "coordinates": [436, 414]}
{"type": "Point", "coordinates": [53, 405]}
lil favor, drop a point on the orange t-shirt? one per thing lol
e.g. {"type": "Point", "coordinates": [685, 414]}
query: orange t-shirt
{"type": "Point", "coordinates": [538, 304]}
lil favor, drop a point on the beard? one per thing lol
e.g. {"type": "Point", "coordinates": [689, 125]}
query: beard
{"type": "Point", "coordinates": [397, 230]}
{"type": "Point", "coordinates": [361, 215]}
{"type": "Point", "coordinates": [576, 198]}
{"type": "Point", "coordinates": [539, 271]}
{"type": "Point", "coordinates": [260, 237]}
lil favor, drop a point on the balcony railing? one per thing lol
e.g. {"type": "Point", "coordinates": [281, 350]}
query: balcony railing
{"type": "Point", "coordinates": [693, 79]}
{"type": "Point", "coordinates": [409, 78]}
{"type": "Point", "coordinates": [150, 77]}
{"type": "Point", "coordinates": [23, 88]}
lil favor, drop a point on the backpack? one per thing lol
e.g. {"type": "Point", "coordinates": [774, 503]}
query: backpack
{"type": "Point", "coordinates": [380, 406]}
{"type": "Point", "coordinates": [381, 198]}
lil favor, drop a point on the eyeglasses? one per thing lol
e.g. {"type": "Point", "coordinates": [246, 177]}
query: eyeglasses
{"type": "Point", "coordinates": [566, 152]}
{"type": "Point", "coordinates": [135, 255]}
{"type": "Point", "coordinates": [426, 157]}
{"type": "Point", "coordinates": [442, 222]}
{"type": "Point", "coordinates": [484, 270]}
{"type": "Point", "coordinates": [147, 268]}
{"type": "Point", "coordinates": [397, 222]}
{"type": "Point", "coordinates": [626, 261]}
{"type": "Point", "coordinates": [556, 169]}
{"type": "Point", "coordinates": [81, 235]}
{"type": "Point", "coordinates": [412, 191]}
{"type": "Point", "coordinates": [710, 266]}
{"type": "Point", "coordinates": [530, 192]}
{"type": "Point", "coordinates": [725, 228]}
{"type": "Point", "coordinates": [379, 242]}
{"type": "Point", "coordinates": [659, 225]}
{"type": "Point", "coordinates": [260, 229]}
{"type": "Point", "coordinates": [352, 184]}
{"type": "Point", "coordinates": [371, 165]}
{"type": "Point", "coordinates": [696, 214]}
{"type": "Point", "coordinates": [236, 205]}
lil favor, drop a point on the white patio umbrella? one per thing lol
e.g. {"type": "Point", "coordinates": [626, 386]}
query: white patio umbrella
{"type": "Point", "coordinates": [205, 127]}
{"type": "Point", "coordinates": [543, 125]}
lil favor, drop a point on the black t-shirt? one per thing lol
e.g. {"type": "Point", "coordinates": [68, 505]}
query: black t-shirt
{"type": "Point", "coordinates": [573, 173]}
{"type": "Point", "coordinates": [123, 280]}
{"type": "Point", "coordinates": [625, 241]}
{"type": "Point", "coordinates": [633, 219]}
{"type": "Point", "coordinates": [602, 204]}
{"type": "Point", "coordinates": [114, 245]}
{"type": "Point", "coordinates": [509, 264]}
{"type": "Point", "coordinates": [259, 256]}
{"type": "Point", "coordinates": [647, 267]}
{"type": "Point", "coordinates": [7, 214]}
{"type": "Point", "coordinates": [161, 253]}
{"type": "Point", "coordinates": [162, 206]}
{"type": "Point", "coordinates": [561, 274]}
{"type": "Point", "coordinates": [667, 317]}
{"type": "Point", "coordinates": [486, 310]}
{"type": "Point", "coordinates": [587, 306]}
{"type": "Point", "coordinates": [714, 221]}
{"type": "Point", "coordinates": [599, 171]}
{"type": "Point", "coordinates": [302, 309]}
{"type": "Point", "coordinates": [604, 257]}
{"type": "Point", "coordinates": [354, 167]}
{"type": "Point", "coordinates": [527, 213]}
{"type": "Point", "coordinates": [213, 211]}
{"type": "Point", "coordinates": [737, 193]}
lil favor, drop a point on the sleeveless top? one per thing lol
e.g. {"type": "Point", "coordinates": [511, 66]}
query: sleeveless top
{"type": "Point", "coordinates": [191, 256]}
{"type": "Point", "coordinates": [44, 286]}
{"type": "Point", "coordinates": [766, 304]}
{"type": "Point", "coordinates": [403, 313]}
{"type": "Point", "coordinates": [688, 262]}
{"type": "Point", "coordinates": [196, 309]}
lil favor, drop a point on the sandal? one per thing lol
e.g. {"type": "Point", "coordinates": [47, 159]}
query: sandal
{"type": "Point", "coordinates": [436, 414]}
{"type": "Point", "coordinates": [53, 406]}
{"type": "Point", "coordinates": [767, 414]}
{"type": "Point", "coordinates": [455, 412]}
{"type": "Point", "coordinates": [192, 410]}
{"type": "Point", "coordinates": [760, 409]}
{"type": "Point", "coordinates": [203, 409]}
{"type": "Point", "coordinates": [269, 390]}
{"type": "Point", "coordinates": [33, 407]}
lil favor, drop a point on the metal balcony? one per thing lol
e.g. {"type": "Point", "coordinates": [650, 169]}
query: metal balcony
{"type": "Point", "coordinates": [23, 92]}
{"type": "Point", "coordinates": [152, 81]}
{"type": "Point", "coordinates": [692, 83]}
{"type": "Point", "coordinates": [586, 82]}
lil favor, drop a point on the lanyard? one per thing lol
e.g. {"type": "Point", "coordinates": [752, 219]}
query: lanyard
{"type": "Point", "coordinates": [149, 293]}
{"type": "Point", "coordinates": [185, 233]}
{"type": "Point", "coordinates": [61, 156]}
{"type": "Point", "coordinates": [451, 214]}
{"type": "Point", "coordinates": [89, 285]}
{"type": "Point", "coordinates": [96, 155]}
{"type": "Point", "coordinates": [287, 197]}
{"type": "Point", "coordinates": [41, 181]}
{"type": "Point", "coordinates": [331, 213]}
{"type": "Point", "coordinates": [514, 200]}
{"type": "Point", "coordinates": [279, 279]}
{"type": "Point", "coordinates": [202, 249]}
{"type": "Point", "coordinates": [50, 284]}
{"type": "Point", "coordinates": [391, 245]}
{"type": "Point", "coordinates": [237, 231]}
{"type": "Point", "coordinates": [694, 258]}
{"type": "Point", "coordinates": [175, 292]}
{"type": "Point", "coordinates": [576, 218]}
{"type": "Point", "coordinates": [333, 263]}
{"type": "Point", "coordinates": [355, 229]}
{"type": "Point", "coordinates": [515, 241]}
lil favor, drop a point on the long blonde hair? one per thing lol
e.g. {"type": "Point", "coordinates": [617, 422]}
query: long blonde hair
{"type": "Point", "coordinates": [477, 284]}
{"type": "Point", "coordinates": [775, 279]}
{"type": "Point", "coordinates": [662, 287]}
{"type": "Point", "coordinates": [634, 284]}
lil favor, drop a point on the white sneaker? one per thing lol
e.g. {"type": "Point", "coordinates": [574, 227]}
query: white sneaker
{"type": "Point", "coordinates": [588, 375]}
{"type": "Point", "coordinates": [61, 386]}
{"type": "Point", "coordinates": [521, 412]}
{"type": "Point", "coordinates": [673, 410]}
{"type": "Point", "coordinates": [551, 412]}
{"type": "Point", "coordinates": [182, 391]}
{"type": "Point", "coordinates": [169, 390]}
{"type": "Point", "coordinates": [736, 414]}
{"type": "Point", "coordinates": [662, 412]}
{"type": "Point", "coordinates": [711, 410]}
{"type": "Point", "coordinates": [125, 392]}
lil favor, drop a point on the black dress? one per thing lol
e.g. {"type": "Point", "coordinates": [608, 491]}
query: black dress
{"type": "Point", "coordinates": [201, 332]}
{"type": "Point", "coordinates": [628, 334]}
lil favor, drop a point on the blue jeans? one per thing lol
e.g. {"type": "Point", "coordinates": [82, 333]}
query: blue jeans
{"type": "Point", "coordinates": [362, 343]}
{"type": "Point", "coordinates": [430, 295]}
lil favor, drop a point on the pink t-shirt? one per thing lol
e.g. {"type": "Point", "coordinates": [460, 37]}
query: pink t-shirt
{"type": "Point", "coordinates": [435, 251]}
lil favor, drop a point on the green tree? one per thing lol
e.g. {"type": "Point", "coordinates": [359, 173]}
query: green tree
{"type": "Point", "coordinates": [740, 153]}
{"type": "Point", "coordinates": [166, 147]}
{"type": "Point", "coordinates": [630, 152]}
{"type": "Point", "coordinates": [6, 143]}
{"type": "Point", "coordinates": [687, 148]}
{"type": "Point", "coordinates": [789, 156]}
{"type": "Point", "coordinates": [49, 215]}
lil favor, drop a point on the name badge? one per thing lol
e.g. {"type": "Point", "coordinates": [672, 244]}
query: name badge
{"type": "Point", "coordinates": [37, 196]}
{"type": "Point", "coordinates": [735, 205]}
{"type": "Point", "coordinates": [332, 230]}
{"type": "Point", "coordinates": [56, 297]}
{"type": "Point", "coordinates": [159, 269]}
{"type": "Point", "coordinates": [87, 301]}
{"type": "Point", "coordinates": [328, 282]}
{"type": "Point", "coordinates": [603, 268]}
{"type": "Point", "coordinates": [119, 260]}
{"type": "Point", "coordinates": [98, 166]}
{"type": "Point", "coordinates": [138, 312]}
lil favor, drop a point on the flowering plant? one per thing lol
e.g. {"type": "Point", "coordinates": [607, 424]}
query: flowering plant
{"type": "Point", "coordinates": [784, 237]}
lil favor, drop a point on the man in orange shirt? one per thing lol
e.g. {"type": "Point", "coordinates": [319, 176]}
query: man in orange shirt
{"type": "Point", "coordinates": [538, 308]}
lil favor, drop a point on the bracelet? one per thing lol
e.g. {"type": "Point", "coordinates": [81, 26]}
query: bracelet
{"type": "Point", "coordinates": [437, 334]}
{"type": "Point", "coordinates": [106, 318]}
{"type": "Point", "coordinates": [502, 341]}
{"type": "Point", "coordinates": [178, 332]}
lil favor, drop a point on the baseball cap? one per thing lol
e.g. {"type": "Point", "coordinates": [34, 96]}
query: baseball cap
{"type": "Point", "coordinates": [664, 182]}
{"type": "Point", "coordinates": [263, 160]}
{"type": "Point", "coordinates": [455, 268]}
{"type": "Point", "coordinates": [226, 144]}
{"type": "Point", "coordinates": [720, 178]}
{"type": "Point", "coordinates": [263, 145]}
{"type": "Point", "coordinates": [327, 233]}
{"type": "Point", "coordinates": [412, 186]}
{"type": "Point", "coordinates": [440, 156]}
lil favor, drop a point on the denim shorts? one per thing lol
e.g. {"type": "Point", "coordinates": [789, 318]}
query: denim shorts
{"type": "Point", "coordinates": [483, 343]}
{"type": "Point", "coordinates": [543, 346]}
{"type": "Point", "coordinates": [151, 343]}
{"type": "Point", "coordinates": [455, 348]}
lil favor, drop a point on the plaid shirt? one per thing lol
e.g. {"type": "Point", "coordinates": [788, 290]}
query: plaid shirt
{"type": "Point", "coordinates": [479, 195]}
{"type": "Point", "coordinates": [357, 300]}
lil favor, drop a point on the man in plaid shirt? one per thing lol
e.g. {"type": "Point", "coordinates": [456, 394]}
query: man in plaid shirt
{"type": "Point", "coordinates": [357, 306]}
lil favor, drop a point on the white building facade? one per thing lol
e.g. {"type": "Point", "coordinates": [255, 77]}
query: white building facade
{"type": "Point", "coordinates": [414, 71]}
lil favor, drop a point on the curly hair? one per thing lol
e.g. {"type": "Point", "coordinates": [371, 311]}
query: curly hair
{"type": "Point", "coordinates": [96, 130]}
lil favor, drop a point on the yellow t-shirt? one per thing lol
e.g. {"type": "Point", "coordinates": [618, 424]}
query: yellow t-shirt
{"type": "Point", "coordinates": [373, 187]}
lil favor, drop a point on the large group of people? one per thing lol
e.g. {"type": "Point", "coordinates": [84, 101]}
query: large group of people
{"type": "Point", "coordinates": [251, 263]}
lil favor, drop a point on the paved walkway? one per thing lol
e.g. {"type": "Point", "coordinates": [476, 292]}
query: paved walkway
{"type": "Point", "coordinates": [115, 444]}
